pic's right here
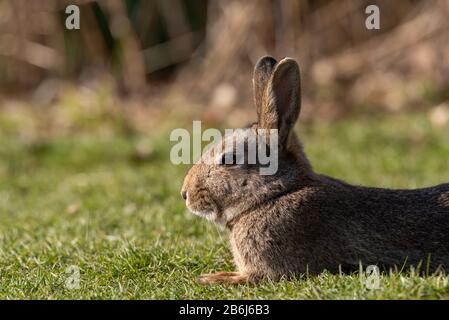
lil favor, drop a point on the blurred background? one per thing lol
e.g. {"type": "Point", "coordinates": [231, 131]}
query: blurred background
{"type": "Point", "coordinates": [135, 63]}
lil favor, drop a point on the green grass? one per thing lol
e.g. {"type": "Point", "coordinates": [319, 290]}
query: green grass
{"type": "Point", "coordinates": [84, 201]}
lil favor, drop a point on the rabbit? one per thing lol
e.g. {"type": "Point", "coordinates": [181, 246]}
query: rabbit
{"type": "Point", "coordinates": [298, 221]}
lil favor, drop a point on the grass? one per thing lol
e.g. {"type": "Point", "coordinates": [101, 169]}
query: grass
{"type": "Point", "coordinates": [84, 201]}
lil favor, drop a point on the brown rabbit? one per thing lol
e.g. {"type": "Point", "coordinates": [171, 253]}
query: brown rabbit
{"type": "Point", "coordinates": [299, 221]}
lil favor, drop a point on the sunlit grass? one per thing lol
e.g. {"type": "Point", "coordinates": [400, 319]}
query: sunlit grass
{"type": "Point", "coordinates": [85, 201]}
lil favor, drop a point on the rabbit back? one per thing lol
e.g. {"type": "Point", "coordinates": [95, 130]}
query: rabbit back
{"type": "Point", "coordinates": [333, 226]}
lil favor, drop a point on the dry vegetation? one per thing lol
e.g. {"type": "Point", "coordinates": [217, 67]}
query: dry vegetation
{"type": "Point", "coordinates": [197, 56]}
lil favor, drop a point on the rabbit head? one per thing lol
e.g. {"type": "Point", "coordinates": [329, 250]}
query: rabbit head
{"type": "Point", "coordinates": [221, 190]}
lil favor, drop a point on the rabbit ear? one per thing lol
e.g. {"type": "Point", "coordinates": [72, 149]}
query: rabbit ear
{"type": "Point", "coordinates": [262, 72]}
{"type": "Point", "coordinates": [282, 99]}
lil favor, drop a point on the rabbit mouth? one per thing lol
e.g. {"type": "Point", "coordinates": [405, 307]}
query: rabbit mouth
{"type": "Point", "coordinates": [203, 213]}
{"type": "Point", "coordinates": [208, 211]}
{"type": "Point", "coordinates": [209, 214]}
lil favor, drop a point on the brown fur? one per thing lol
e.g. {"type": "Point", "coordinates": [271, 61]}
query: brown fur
{"type": "Point", "coordinates": [298, 221]}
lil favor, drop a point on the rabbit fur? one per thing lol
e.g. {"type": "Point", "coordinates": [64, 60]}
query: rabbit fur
{"type": "Point", "coordinates": [298, 221]}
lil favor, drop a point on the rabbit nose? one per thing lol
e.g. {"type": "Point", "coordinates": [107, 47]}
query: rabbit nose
{"type": "Point", "coordinates": [184, 194]}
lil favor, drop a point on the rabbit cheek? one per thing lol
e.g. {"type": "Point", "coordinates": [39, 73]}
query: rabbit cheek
{"type": "Point", "coordinates": [200, 204]}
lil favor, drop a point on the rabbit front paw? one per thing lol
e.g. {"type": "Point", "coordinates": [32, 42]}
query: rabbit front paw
{"type": "Point", "coordinates": [224, 278]}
